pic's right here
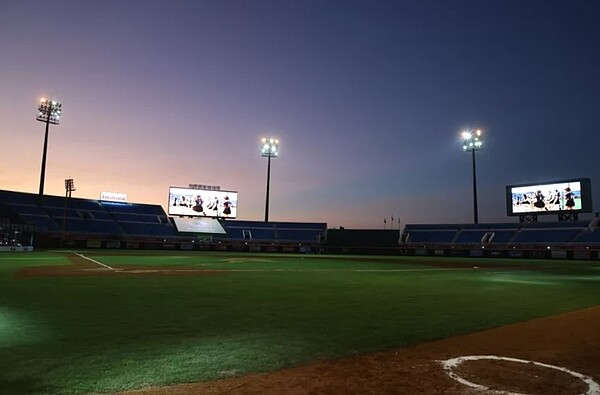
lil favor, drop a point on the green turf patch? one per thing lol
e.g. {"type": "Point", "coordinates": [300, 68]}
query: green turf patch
{"type": "Point", "coordinates": [266, 312]}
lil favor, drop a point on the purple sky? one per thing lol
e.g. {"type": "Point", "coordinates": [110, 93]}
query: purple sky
{"type": "Point", "coordinates": [367, 99]}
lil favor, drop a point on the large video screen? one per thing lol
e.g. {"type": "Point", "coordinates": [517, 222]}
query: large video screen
{"type": "Point", "coordinates": [550, 197]}
{"type": "Point", "coordinates": [202, 203]}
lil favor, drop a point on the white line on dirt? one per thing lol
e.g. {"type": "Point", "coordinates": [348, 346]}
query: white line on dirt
{"type": "Point", "coordinates": [93, 260]}
{"type": "Point", "coordinates": [449, 364]}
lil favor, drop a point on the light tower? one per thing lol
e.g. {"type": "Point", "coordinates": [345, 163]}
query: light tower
{"type": "Point", "coordinates": [270, 149]}
{"type": "Point", "coordinates": [472, 142]}
{"type": "Point", "coordinates": [49, 112]}
{"type": "Point", "coordinates": [69, 188]}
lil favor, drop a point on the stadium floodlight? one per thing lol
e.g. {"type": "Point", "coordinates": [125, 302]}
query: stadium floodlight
{"type": "Point", "coordinates": [270, 149]}
{"type": "Point", "coordinates": [48, 112]}
{"type": "Point", "coordinates": [472, 142]}
{"type": "Point", "coordinates": [69, 188]}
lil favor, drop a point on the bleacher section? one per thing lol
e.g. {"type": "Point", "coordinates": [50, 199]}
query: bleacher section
{"type": "Point", "coordinates": [546, 236]}
{"type": "Point", "coordinates": [56, 221]}
{"type": "Point", "coordinates": [59, 218]}
{"type": "Point", "coordinates": [588, 238]}
{"type": "Point", "coordinates": [275, 232]}
{"type": "Point", "coordinates": [471, 236]}
{"type": "Point", "coordinates": [431, 236]}
{"type": "Point", "coordinates": [55, 214]}
{"type": "Point", "coordinates": [538, 233]}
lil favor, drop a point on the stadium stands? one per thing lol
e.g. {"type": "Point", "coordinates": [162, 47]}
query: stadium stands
{"type": "Point", "coordinates": [77, 219]}
{"type": "Point", "coordinates": [435, 236]}
{"type": "Point", "coordinates": [588, 237]}
{"type": "Point", "coordinates": [527, 233]}
{"type": "Point", "coordinates": [55, 214]}
{"type": "Point", "coordinates": [562, 239]}
{"type": "Point", "coordinates": [100, 224]}
{"type": "Point", "coordinates": [470, 236]}
{"type": "Point", "coordinates": [546, 236]}
{"type": "Point", "coordinates": [275, 232]}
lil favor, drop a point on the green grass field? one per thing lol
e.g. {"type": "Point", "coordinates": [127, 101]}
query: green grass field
{"type": "Point", "coordinates": [252, 312]}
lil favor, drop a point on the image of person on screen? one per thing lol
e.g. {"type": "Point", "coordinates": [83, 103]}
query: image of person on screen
{"type": "Point", "coordinates": [555, 200]}
{"type": "Point", "coordinates": [539, 201]}
{"type": "Point", "coordinates": [183, 202]}
{"type": "Point", "coordinates": [198, 205]}
{"type": "Point", "coordinates": [226, 206]}
{"type": "Point", "coordinates": [569, 199]}
{"type": "Point", "coordinates": [214, 204]}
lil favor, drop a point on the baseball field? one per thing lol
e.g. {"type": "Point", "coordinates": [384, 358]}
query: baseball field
{"type": "Point", "coordinates": [175, 322]}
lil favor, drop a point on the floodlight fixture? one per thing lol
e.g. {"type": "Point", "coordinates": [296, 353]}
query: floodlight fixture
{"type": "Point", "coordinates": [49, 112]}
{"type": "Point", "coordinates": [270, 149]}
{"type": "Point", "coordinates": [69, 188]}
{"type": "Point", "coordinates": [472, 142]}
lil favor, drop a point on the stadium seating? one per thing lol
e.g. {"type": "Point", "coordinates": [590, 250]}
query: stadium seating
{"type": "Point", "coordinates": [543, 233]}
{"type": "Point", "coordinates": [546, 236]}
{"type": "Point", "coordinates": [435, 236]}
{"type": "Point", "coordinates": [587, 237]}
{"type": "Point", "coordinates": [85, 216]}
{"type": "Point", "coordinates": [277, 232]}
{"type": "Point", "coordinates": [471, 236]}
{"type": "Point", "coordinates": [501, 236]}
{"type": "Point", "coordinates": [53, 215]}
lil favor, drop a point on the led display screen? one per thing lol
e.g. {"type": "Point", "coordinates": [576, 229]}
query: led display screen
{"type": "Point", "coordinates": [200, 202]}
{"type": "Point", "coordinates": [549, 198]}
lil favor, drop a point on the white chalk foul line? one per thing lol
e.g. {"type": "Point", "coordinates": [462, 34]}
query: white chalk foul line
{"type": "Point", "coordinates": [93, 260]}
{"type": "Point", "coordinates": [449, 364]}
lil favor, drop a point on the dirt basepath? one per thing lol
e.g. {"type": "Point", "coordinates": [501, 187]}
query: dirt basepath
{"type": "Point", "coordinates": [570, 341]}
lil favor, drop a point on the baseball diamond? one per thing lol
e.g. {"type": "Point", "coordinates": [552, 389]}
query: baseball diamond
{"type": "Point", "coordinates": [177, 322]}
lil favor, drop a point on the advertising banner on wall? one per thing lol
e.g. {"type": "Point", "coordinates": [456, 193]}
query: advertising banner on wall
{"type": "Point", "coordinates": [113, 197]}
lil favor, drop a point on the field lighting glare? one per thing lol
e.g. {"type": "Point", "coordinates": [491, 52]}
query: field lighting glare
{"type": "Point", "coordinates": [269, 147]}
{"type": "Point", "coordinates": [472, 140]}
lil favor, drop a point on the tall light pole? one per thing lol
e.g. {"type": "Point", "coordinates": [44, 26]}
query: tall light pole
{"type": "Point", "coordinates": [69, 188]}
{"type": "Point", "coordinates": [472, 142]}
{"type": "Point", "coordinates": [270, 149]}
{"type": "Point", "coordinates": [49, 112]}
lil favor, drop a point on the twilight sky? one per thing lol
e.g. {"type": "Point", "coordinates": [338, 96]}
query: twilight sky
{"type": "Point", "coordinates": [368, 99]}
